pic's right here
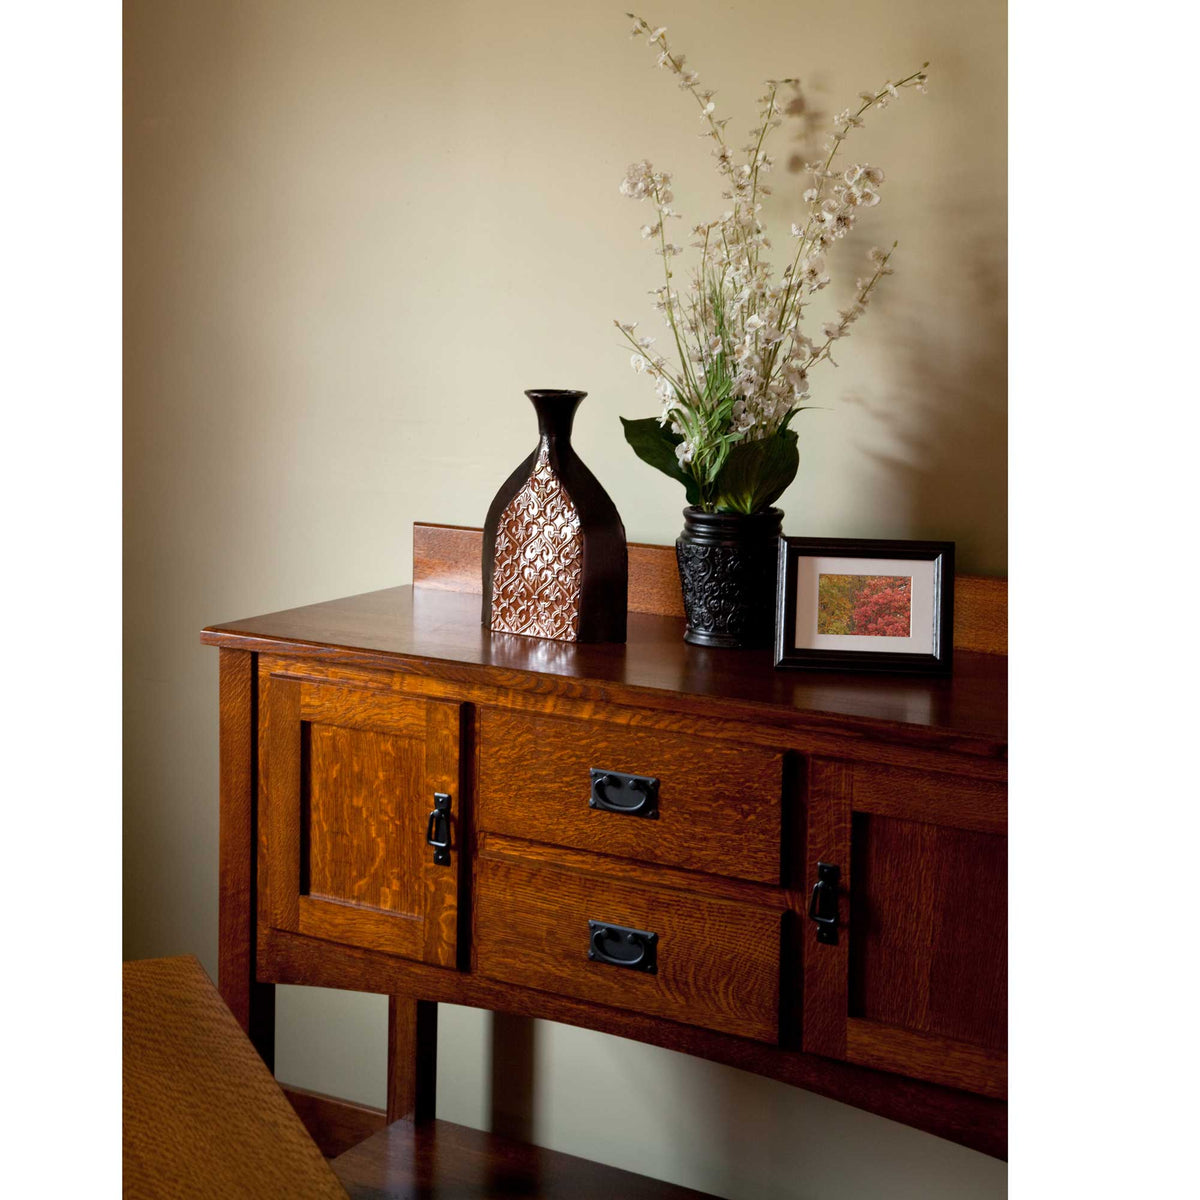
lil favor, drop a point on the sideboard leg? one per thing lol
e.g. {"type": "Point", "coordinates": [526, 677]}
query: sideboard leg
{"type": "Point", "coordinates": [513, 1055]}
{"type": "Point", "coordinates": [251, 1002]}
{"type": "Point", "coordinates": [412, 1059]}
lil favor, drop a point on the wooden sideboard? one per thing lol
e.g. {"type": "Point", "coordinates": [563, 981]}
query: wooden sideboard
{"type": "Point", "coordinates": [802, 874]}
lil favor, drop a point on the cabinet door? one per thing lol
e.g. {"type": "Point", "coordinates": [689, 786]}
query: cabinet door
{"type": "Point", "coordinates": [348, 780]}
{"type": "Point", "coordinates": [913, 976]}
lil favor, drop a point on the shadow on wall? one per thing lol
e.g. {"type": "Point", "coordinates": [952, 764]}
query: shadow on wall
{"type": "Point", "coordinates": [808, 123]}
{"type": "Point", "coordinates": [947, 418]}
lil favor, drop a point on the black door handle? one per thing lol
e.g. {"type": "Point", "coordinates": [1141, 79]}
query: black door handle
{"type": "Point", "coordinates": [823, 907]}
{"type": "Point", "coordinates": [437, 832]}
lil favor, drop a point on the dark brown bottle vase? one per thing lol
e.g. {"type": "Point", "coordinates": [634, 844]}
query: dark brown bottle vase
{"type": "Point", "coordinates": [555, 564]}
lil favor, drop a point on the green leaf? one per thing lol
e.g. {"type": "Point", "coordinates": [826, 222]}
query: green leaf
{"type": "Point", "coordinates": [799, 409]}
{"type": "Point", "coordinates": [655, 444]}
{"type": "Point", "coordinates": [756, 474]}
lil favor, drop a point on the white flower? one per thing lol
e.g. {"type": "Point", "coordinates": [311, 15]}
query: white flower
{"type": "Point", "coordinates": [685, 451]}
{"type": "Point", "coordinates": [649, 231]}
{"type": "Point", "coordinates": [638, 181]}
{"type": "Point", "coordinates": [796, 230]}
{"type": "Point", "coordinates": [832, 330]}
{"type": "Point", "coordinates": [796, 378]}
{"type": "Point", "coordinates": [657, 34]}
{"type": "Point", "coordinates": [810, 195]}
{"type": "Point", "coordinates": [710, 107]}
{"type": "Point", "coordinates": [638, 363]}
{"type": "Point", "coordinates": [646, 342]}
{"type": "Point", "coordinates": [813, 273]}
{"type": "Point", "coordinates": [754, 323]}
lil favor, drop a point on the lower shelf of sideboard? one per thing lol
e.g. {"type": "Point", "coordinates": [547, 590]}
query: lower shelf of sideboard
{"type": "Point", "coordinates": [429, 1158]}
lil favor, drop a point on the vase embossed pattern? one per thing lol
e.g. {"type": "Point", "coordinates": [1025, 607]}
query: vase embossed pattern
{"type": "Point", "coordinates": [554, 556]}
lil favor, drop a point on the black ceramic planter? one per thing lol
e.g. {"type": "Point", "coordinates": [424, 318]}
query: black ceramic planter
{"type": "Point", "coordinates": [727, 566]}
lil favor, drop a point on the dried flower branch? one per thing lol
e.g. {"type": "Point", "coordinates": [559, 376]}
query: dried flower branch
{"type": "Point", "coordinates": [743, 356]}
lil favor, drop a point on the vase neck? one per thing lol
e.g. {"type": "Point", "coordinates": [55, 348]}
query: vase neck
{"type": "Point", "coordinates": [555, 413]}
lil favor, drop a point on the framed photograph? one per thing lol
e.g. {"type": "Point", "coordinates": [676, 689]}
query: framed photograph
{"type": "Point", "coordinates": [857, 604]}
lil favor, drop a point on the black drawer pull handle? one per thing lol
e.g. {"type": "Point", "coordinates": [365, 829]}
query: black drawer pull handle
{"type": "Point", "coordinates": [437, 832]}
{"type": "Point", "coordinates": [618, 946]}
{"type": "Point", "coordinates": [616, 792]}
{"type": "Point", "coordinates": [823, 908]}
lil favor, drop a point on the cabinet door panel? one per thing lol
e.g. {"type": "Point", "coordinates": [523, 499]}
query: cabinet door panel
{"type": "Point", "coordinates": [363, 788]}
{"type": "Point", "coordinates": [917, 979]}
{"type": "Point", "coordinates": [927, 929]}
{"type": "Point", "coordinates": [347, 780]}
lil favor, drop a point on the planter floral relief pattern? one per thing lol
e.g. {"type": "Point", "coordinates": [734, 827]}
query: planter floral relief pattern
{"type": "Point", "coordinates": [727, 565]}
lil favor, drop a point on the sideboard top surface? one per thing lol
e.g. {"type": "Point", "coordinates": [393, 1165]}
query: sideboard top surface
{"type": "Point", "coordinates": [403, 623]}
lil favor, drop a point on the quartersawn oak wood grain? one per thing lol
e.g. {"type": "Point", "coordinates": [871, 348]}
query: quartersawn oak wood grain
{"type": "Point", "coordinates": [363, 787]}
{"type": "Point", "coordinates": [201, 1115]}
{"type": "Point", "coordinates": [252, 1003]}
{"type": "Point", "coordinates": [902, 779]}
{"type": "Point", "coordinates": [535, 782]}
{"type": "Point", "coordinates": [346, 806]}
{"type": "Point", "coordinates": [950, 1061]}
{"type": "Point", "coordinates": [718, 963]}
{"type": "Point", "coordinates": [438, 635]}
{"type": "Point", "coordinates": [826, 969]}
{"type": "Point", "coordinates": [971, 1120]}
{"type": "Point", "coordinates": [917, 982]}
{"type": "Point", "coordinates": [772, 729]}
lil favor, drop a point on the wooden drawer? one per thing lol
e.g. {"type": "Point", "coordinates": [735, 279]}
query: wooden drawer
{"type": "Point", "coordinates": [718, 803]}
{"type": "Point", "coordinates": [717, 961]}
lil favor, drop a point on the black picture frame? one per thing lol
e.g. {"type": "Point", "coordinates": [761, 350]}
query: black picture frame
{"type": "Point", "coordinates": [941, 554]}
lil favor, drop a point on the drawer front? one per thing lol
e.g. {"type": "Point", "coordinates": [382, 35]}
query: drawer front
{"type": "Point", "coordinates": [716, 963]}
{"type": "Point", "coordinates": [716, 804]}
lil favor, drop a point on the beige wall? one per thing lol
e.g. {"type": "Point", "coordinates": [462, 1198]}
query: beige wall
{"type": "Point", "coordinates": [355, 231]}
